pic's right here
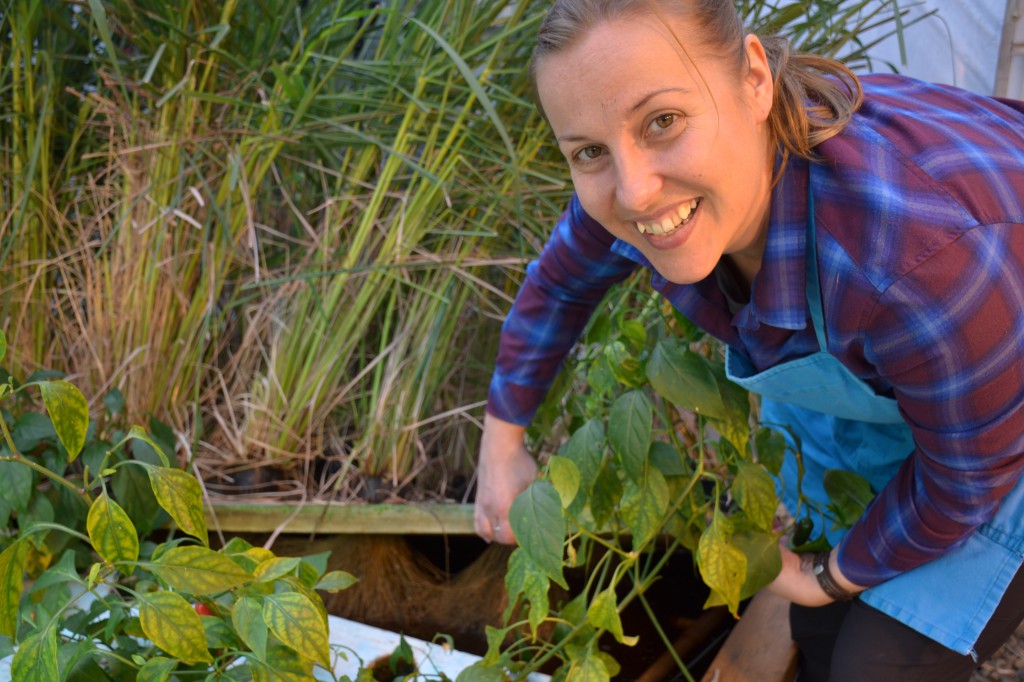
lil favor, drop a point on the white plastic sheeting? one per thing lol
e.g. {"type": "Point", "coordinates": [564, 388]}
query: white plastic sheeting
{"type": "Point", "coordinates": [959, 45]}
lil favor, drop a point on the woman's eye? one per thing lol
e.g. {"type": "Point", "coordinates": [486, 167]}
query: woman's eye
{"type": "Point", "coordinates": [589, 153]}
{"type": "Point", "coordinates": [663, 121]}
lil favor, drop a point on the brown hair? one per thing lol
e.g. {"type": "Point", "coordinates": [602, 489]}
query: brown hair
{"type": "Point", "coordinates": [815, 97]}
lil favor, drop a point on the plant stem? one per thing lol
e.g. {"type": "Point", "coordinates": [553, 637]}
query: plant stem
{"type": "Point", "coordinates": [55, 477]}
{"type": "Point", "coordinates": [664, 638]}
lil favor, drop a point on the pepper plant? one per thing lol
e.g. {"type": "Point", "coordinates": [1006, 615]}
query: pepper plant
{"type": "Point", "coordinates": [659, 453]}
{"type": "Point", "coordinates": [104, 603]}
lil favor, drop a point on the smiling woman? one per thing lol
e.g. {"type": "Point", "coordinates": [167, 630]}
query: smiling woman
{"type": "Point", "coordinates": [670, 155]}
{"type": "Point", "coordinates": [818, 225]}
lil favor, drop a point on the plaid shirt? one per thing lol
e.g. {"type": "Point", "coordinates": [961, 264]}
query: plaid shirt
{"type": "Point", "coordinates": [919, 205]}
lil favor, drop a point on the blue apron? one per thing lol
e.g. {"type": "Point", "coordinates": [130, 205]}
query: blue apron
{"type": "Point", "coordinates": [843, 424]}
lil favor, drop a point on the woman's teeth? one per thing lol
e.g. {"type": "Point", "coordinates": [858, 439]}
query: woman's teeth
{"type": "Point", "coordinates": [671, 223]}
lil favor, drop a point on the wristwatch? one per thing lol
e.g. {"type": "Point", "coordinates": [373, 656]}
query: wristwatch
{"type": "Point", "coordinates": [826, 581]}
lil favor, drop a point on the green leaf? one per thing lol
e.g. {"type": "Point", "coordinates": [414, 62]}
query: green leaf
{"type": "Point", "coordinates": [539, 527]}
{"type": "Point", "coordinates": [607, 493]}
{"type": "Point", "coordinates": [629, 431]}
{"type": "Point", "coordinates": [565, 476]}
{"type": "Point", "coordinates": [771, 449]}
{"type": "Point", "coordinates": [3, 345]}
{"type": "Point", "coordinates": [114, 402]}
{"type": "Point", "coordinates": [603, 613]}
{"type": "Point", "coordinates": [764, 559]}
{"type": "Point", "coordinates": [149, 452]}
{"type": "Point", "coordinates": [684, 378]}
{"type": "Point", "coordinates": [402, 656]}
{"type": "Point", "coordinates": [667, 459]}
{"type": "Point", "coordinates": [336, 581]}
{"type": "Point", "coordinates": [586, 449]}
{"type": "Point", "coordinates": [625, 367]}
{"type": "Point", "coordinates": [36, 657]}
{"type": "Point", "coordinates": [535, 588]}
{"type": "Point", "coordinates": [849, 495]}
{"type": "Point", "coordinates": [495, 637]}
{"type": "Point", "coordinates": [247, 617]}
{"type": "Point", "coordinates": [12, 581]}
{"type": "Point", "coordinates": [295, 620]}
{"type": "Point", "coordinates": [478, 672]}
{"type": "Point", "coordinates": [63, 571]}
{"type": "Point", "coordinates": [178, 492]}
{"type": "Point", "coordinates": [19, 483]}
{"type": "Point", "coordinates": [515, 574]}
{"type": "Point", "coordinates": [69, 411]}
{"type": "Point", "coordinates": [198, 570]}
{"type": "Point", "coordinates": [156, 669]}
{"type": "Point", "coordinates": [754, 490]}
{"type": "Point", "coordinates": [722, 566]}
{"type": "Point", "coordinates": [172, 624]}
{"type": "Point", "coordinates": [133, 491]}
{"type": "Point", "coordinates": [643, 506]}
{"type": "Point", "coordinates": [32, 430]}
{"type": "Point", "coordinates": [113, 534]}
{"type": "Point", "coordinates": [285, 665]}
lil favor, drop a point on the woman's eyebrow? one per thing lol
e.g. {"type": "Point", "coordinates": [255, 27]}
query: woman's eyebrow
{"type": "Point", "coordinates": [643, 100]}
{"type": "Point", "coordinates": [649, 96]}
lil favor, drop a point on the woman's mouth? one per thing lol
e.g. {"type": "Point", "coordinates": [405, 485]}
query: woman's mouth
{"type": "Point", "coordinates": [671, 223]}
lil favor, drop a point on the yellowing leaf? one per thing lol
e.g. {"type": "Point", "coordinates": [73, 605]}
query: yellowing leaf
{"type": "Point", "coordinates": [722, 566]}
{"type": "Point", "coordinates": [12, 579]}
{"type": "Point", "coordinates": [588, 669]}
{"type": "Point", "coordinates": [36, 658]}
{"type": "Point", "coordinates": [198, 570]}
{"type": "Point", "coordinates": [275, 568]}
{"type": "Point", "coordinates": [69, 413]}
{"type": "Point", "coordinates": [335, 581]}
{"type": "Point", "coordinates": [172, 624]}
{"type": "Point", "coordinates": [565, 476]}
{"type": "Point", "coordinates": [113, 534]}
{"type": "Point", "coordinates": [178, 492]}
{"type": "Point", "coordinates": [604, 614]}
{"type": "Point", "coordinates": [296, 621]}
{"type": "Point", "coordinates": [754, 490]}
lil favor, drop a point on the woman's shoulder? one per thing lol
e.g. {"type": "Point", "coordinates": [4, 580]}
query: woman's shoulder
{"type": "Point", "coordinates": [919, 165]}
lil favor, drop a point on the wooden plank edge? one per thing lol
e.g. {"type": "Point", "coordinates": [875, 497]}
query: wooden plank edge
{"type": "Point", "coordinates": [760, 647]}
{"type": "Point", "coordinates": [320, 517]}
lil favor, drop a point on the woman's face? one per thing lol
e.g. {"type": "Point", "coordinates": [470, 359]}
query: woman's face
{"type": "Point", "coordinates": [669, 155]}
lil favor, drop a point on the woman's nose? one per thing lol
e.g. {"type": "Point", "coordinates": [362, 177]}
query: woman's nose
{"type": "Point", "coordinates": [638, 182]}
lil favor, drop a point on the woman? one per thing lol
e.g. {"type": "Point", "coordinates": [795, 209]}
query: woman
{"type": "Point", "coordinates": [859, 247]}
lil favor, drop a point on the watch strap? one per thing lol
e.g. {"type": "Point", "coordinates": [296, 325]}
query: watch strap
{"type": "Point", "coordinates": [827, 581]}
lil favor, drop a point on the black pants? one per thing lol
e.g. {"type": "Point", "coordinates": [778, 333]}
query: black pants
{"type": "Point", "coordinates": [853, 642]}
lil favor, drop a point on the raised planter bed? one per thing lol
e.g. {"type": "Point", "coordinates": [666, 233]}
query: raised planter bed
{"type": "Point", "coordinates": [331, 519]}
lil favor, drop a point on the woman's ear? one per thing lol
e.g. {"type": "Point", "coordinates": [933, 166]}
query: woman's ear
{"type": "Point", "coordinates": [758, 78]}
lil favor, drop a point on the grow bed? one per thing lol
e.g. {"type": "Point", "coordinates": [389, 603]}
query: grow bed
{"type": "Point", "coordinates": [424, 584]}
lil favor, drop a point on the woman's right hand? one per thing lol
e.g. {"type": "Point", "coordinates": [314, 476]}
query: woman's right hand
{"type": "Point", "coordinates": [504, 470]}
